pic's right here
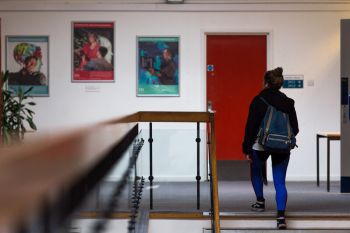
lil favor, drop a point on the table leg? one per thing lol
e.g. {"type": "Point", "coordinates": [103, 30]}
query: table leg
{"type": "Point", "coordinates": [328, 164]}
{"type": "Point", "coordinates": [318, 160]}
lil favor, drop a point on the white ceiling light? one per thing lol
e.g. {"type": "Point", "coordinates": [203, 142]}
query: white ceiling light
{"type": "Point", "coordinates": [175, 1]}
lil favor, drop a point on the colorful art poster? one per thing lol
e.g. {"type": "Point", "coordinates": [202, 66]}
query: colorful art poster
{"type": "Point", "coordinates": [27, 60]}
{"type": "Point", "coordinates": [158, 66]}
{"type": "Point", "coordinates": [93, 51]}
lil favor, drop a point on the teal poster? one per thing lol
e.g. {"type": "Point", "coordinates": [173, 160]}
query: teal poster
{"type": "Point", "coordinates": [158, 66]}
{"type": "Point", "coordinates": [27, 60]}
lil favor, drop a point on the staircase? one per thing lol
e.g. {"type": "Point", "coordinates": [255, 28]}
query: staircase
{"type": "Point", "coordinates": [297, 222]}
{"type": "Point", "coordinates": [278, 231]}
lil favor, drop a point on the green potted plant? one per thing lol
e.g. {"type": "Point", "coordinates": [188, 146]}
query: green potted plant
{"type": "Point", "coordinates": [14, 112]}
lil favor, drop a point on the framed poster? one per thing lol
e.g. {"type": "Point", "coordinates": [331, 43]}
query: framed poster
{"type": "Point", "coordinates": [93, 51]}
{"type": "Point", "coordinates": [158, 66]}
{"type": "Point", "coordinates": [27, 60]}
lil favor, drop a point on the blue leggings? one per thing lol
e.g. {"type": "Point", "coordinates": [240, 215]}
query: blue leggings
{"type": "Point", "coordinates": [279, 170]}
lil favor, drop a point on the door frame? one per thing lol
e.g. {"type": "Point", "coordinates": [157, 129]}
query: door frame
{"type": "Point", "coordinates": [228, 32]}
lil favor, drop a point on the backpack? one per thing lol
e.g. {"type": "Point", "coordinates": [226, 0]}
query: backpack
{"type": "Point", "coordinates": [275, 133]}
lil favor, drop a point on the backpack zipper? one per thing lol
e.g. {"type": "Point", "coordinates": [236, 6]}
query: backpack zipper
{"type": "Point", "coordinates": [278, 135]}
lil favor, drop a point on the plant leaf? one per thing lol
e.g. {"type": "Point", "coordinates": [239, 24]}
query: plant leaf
{"type": "Point", "coordinates": [30, 111]}
{"type": "Point", "coordinates": [29, 90]}
{"type": "Point", "coordinates": [20, 92]}
{"type": "Point", "coordinates": [23, 128]}
{"type": "Point", "coordinates": [31, 123]}
{"type": "Point", "coordinates": [7, 136]}
{"type": "Point", "coordinates": [5, 76]}
{"type": "Point", "coordinates": [15, 111]}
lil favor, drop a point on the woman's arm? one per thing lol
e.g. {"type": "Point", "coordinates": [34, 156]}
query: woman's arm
{"type": "Point", "coordinates": [294, 121]}
{"type": "Point", "coordinates": [256, 114]}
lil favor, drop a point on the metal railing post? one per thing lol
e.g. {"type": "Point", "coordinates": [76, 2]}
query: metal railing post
{"type": "Point", "coordinates": [198, 177]}
{"type": "Point", "coordinates": [318, 160]}
{"type": "Point", "coordinates": [150, 178]}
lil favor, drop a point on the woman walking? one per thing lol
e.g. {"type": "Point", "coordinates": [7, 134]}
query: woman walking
{"type": "Point", "coordinates": [255, 153]}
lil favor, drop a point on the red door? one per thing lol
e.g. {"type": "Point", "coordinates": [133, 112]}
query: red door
{"type": "Point", "coordinates": [235, 68]}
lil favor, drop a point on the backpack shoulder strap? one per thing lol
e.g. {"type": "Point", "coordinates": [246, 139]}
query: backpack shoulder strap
{"type": "Point", "coordinates": [270, 110]}
{"type": "Point", "coordinates": [268, 124]}
{"type": "Point", "coordinates": [263, 99]}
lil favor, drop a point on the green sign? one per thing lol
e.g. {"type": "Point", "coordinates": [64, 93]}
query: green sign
{"type": "Point", "coordinates": [293, 81]}
{"type": "Point", "coordinates": [293, 84]}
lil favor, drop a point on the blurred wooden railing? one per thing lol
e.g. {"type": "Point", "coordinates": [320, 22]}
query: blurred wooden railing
{"type": "Point", "coordinates": [1, 100]}
{"type": "Point", "coordinates": [33, 176]}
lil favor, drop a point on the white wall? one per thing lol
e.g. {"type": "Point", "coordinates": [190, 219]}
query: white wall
{"type": "Point", "coordinates": [302, 42]}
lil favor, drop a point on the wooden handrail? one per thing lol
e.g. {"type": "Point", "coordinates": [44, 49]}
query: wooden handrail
{"type": "Point", "coordinates": [214, 176]}
{"type": "Point", "coordinates": [165, 117]}
{"type": "Point", "coordinates": [31, 175]}
{"type": "Point", "coordinates": [174, 116]}
{"type": "Point", "coordinates": [1, 100]}
{"type": "Point", "coordinates": [36, 172]}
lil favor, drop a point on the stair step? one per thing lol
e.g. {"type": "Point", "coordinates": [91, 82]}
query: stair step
{"type": "Point", "coordinates": [278, 231]}
{"type": "Point", "coordinates": [272, 215]}
{"type": "Point", "coordinates": [297, 222]}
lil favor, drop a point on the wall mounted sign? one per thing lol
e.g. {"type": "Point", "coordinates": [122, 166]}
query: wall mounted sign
{"type": "Point", "coordinates": [92, 88]}
{"type": "Point", "coordinates": [293, 81]}
{"type": "Point", "coordinates": [158, 66]}
{"type": "Point", "coordinates": [210, 68]}
{"type": "Point", "coordinates": [93, 51]}
{"type": "Point", "coordinates": [310, 83]}
{"type": "Point", "coordinates": [27, 59]}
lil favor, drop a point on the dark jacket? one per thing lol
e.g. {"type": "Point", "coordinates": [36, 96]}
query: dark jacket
{"type": "Point", "coordinates": [167, 71]}
{"type": "Point", "coordinates": [257, 112]}
{"type": "Point", "coordinates": [23, 77]}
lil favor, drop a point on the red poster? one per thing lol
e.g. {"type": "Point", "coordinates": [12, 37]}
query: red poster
{"type": "Point", "coordinates": [93, 51]}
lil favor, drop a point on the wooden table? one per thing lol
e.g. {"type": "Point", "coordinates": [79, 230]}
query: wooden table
{"type": "Point", "coordinates": [331, 136]}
